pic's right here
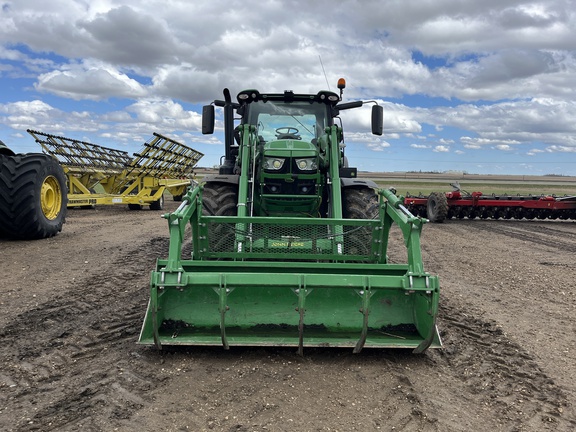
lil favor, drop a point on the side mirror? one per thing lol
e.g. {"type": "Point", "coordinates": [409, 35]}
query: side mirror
{"type": "Point", "coordinates": [377, 119]}
{"type": "Point", "coordinates": [208, 119]}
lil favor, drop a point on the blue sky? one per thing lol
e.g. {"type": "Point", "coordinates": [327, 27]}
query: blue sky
{"type": "Point", "coordinates": [482, 87]}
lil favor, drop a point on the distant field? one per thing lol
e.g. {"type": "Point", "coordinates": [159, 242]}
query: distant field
{"type": "Point", "coordinates": [417, 183]}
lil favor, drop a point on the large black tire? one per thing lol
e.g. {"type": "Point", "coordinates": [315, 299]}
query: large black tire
{"type": "Point", "coordinates": [359, 203]}
{"type": "Point", "coordinates": [437, 207]}
{"type": "Point", "coordinates": [33, 196]}
{"type": "Point", "coordinates": [220, 199]}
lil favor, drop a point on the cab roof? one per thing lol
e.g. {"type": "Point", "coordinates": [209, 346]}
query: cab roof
{"type": "Point", "coordinates": [324, 96]}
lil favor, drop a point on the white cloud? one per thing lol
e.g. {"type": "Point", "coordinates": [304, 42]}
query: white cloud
{"type": "Point", "coordinates": [560, 149]}
{"type": "Point", "coordinates": [441, 149]}
{"type": "Point", "coordinates": [11, 54]}
{"type": "Point", "coordinates": [544, 120]}
{"type": "Point", "coordinates": [378, 145]}
{"type": "Point", "coordinates": [90, 82]}
{"type": "Point", "coordinates": [472, 146]}
{"type": "Point", "coordinates": [24, 115]}
{"type": "Point", "coordinates": [166, 115]}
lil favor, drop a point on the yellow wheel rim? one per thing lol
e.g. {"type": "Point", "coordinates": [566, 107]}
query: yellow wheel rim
{"type": "Point", "coordinates": [51, 198]}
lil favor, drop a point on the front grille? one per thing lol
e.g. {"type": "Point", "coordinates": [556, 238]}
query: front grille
{"type": "Point", "coordinates": [301, 240]}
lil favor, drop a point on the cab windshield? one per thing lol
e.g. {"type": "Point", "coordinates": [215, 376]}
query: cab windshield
{"type": "Point", "coordinates": [277, 119]}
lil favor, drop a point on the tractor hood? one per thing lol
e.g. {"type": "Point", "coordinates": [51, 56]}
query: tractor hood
{"type": "Point", "coordinates": [290, 148]}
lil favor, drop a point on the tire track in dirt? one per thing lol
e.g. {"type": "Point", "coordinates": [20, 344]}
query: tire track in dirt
{"type": "Point", "coordinates": [494, 269]}
{"type": "Point", "coordinates": [564, 240]}
{"type": "Point", "coordinates": [77, 351]}
{"type": "Point", "coordinates": [262, 389]}
{"type": "Point", "coordinates": [503, 376]}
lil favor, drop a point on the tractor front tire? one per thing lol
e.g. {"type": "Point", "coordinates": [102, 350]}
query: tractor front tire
{"type": "Point", "coordinates": [437, 207]}
{"type": "Point", "coordinates": [359, 203]}
{"type": "Point", "coordinates": [220, 199]}
{"type": "Point", "coordinates": [33, 196]}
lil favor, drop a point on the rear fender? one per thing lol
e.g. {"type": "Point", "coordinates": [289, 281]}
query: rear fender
{"type": "Point", "coordinates": [221, 178]}
{"type": "Point", "coordinates": [356, 182]}
{"type": "Point", "coordinates": [5, 150]}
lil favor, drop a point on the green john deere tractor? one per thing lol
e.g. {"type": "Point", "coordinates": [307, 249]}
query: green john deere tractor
{"type": "Point", "coordinates": [33, 195]}
{"type": "Point", "coordinates": [289, 246]}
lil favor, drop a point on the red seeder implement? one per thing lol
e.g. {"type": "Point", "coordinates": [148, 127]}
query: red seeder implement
{"type": "Point", "coordinates": [439, 206]}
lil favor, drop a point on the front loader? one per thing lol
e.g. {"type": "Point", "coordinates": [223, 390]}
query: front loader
{"type": "Point", "coordinates": [289, 247]}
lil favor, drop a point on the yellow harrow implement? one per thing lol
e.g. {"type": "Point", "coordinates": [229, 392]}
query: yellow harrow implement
{"type": "Point", "coordinates": [99, 175]}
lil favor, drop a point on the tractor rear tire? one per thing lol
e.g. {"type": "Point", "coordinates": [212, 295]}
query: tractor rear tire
{"type": "Point", "coordinates": [220, 199]}
{"type": "Point", "coordinates": [437, 207]}
{"type": "Point", "coordinates": [33, 196]}
{"type": "Point", "coordinates": [359, 203]}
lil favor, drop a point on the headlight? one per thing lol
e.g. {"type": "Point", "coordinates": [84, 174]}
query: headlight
{"type": "Point", "coordinates": [308, 164]}
{"type": "Point", "coordinates": [274, 164]}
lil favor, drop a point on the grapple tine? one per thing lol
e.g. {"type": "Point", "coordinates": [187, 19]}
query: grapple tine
{"type": "Point", "coordinates": [365, 311]}
{"type": "Point", "coordinates": [223, 307]}
{"type": "Point", "coordinates": [302, 293]}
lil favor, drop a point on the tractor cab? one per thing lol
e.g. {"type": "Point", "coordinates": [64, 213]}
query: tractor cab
{"type": "Point", "coordinates": [290, 163]}
{"type": "Point", "coordinates": [288, 147]}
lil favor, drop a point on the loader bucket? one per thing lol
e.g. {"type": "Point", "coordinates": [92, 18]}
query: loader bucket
{"type": "Point", "coordinates": [263, 281]}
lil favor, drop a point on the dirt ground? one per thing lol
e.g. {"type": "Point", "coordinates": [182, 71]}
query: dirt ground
{"type": "Point", "coordinates": [71, 308]}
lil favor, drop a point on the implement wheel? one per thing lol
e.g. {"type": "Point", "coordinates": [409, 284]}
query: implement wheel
{"type": "Point", "coordinates": [158, 204]}
{"type": "Point", "coordinates": [33, 196]}
{"type": "Point", "coordinates": [437, 207]}
{"type": "Point", "coordinates": [220, 199]}
{"type": "Point", "coordinates": [359, 204]}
